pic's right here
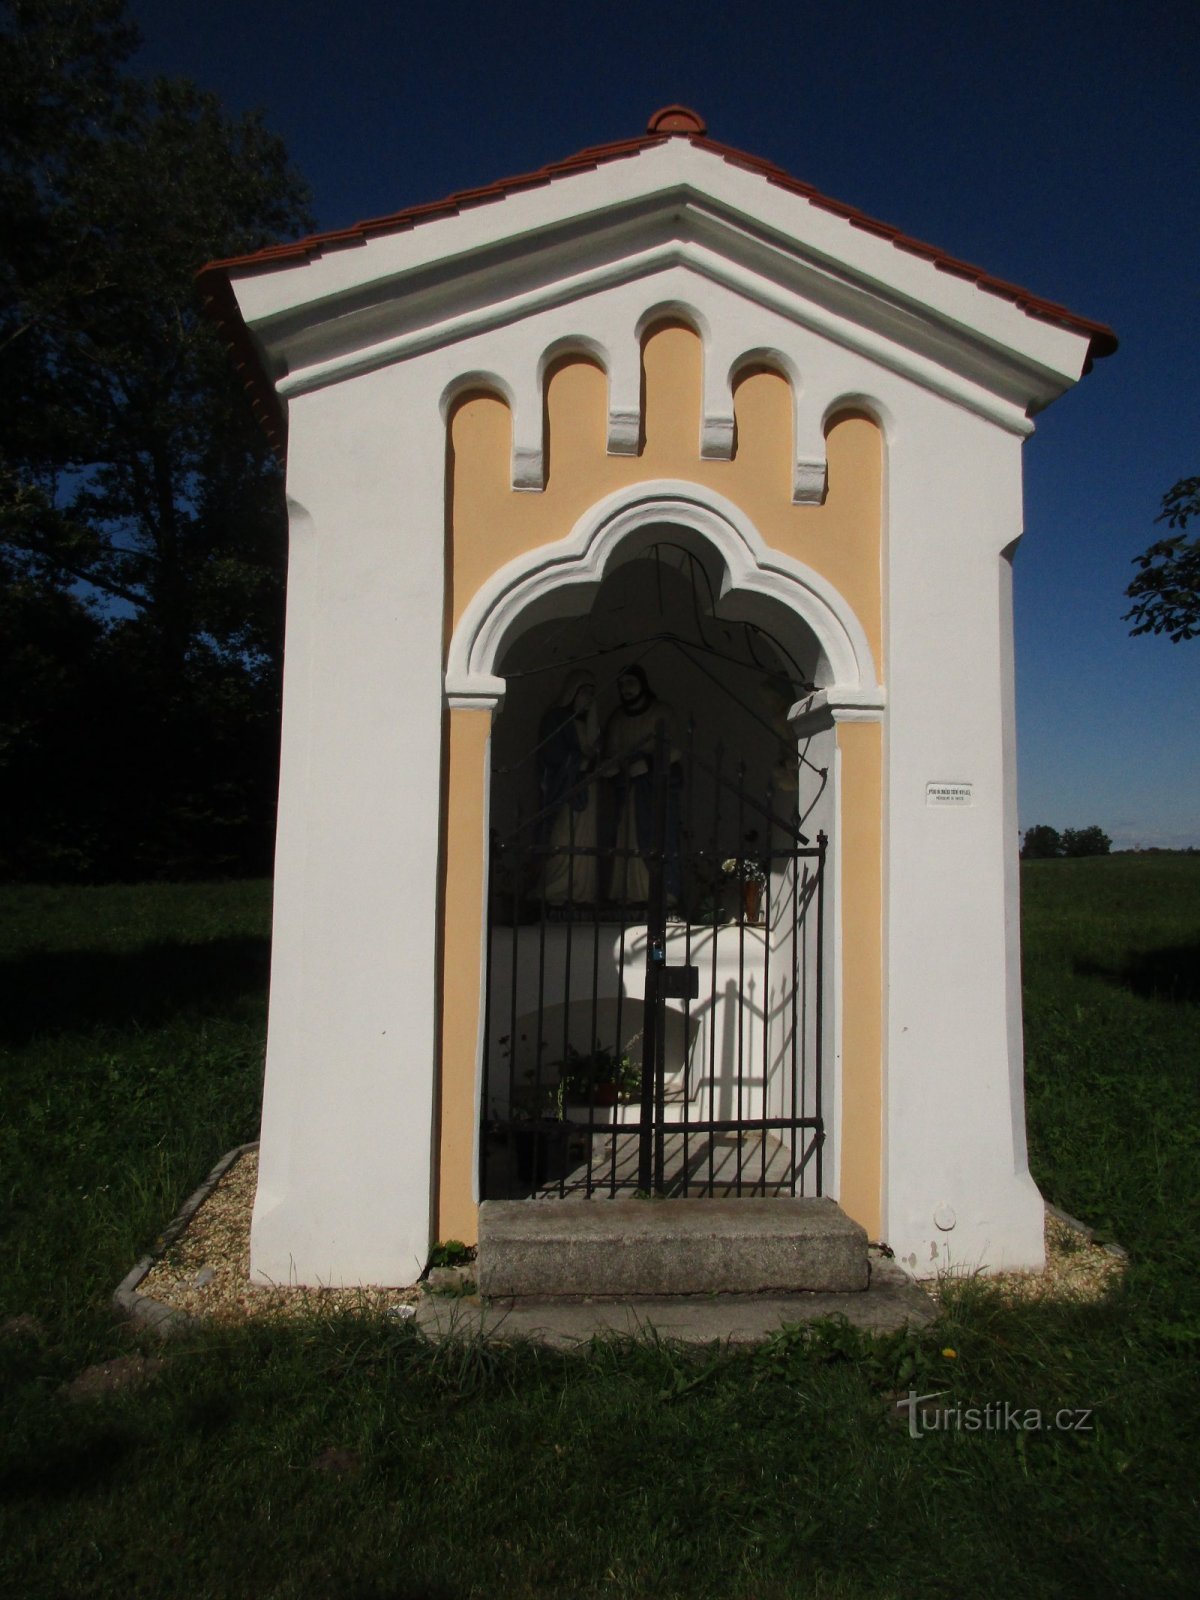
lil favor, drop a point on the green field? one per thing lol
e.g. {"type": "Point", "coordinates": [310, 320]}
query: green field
{"type": "Point", "coordinates": [347, 1457]}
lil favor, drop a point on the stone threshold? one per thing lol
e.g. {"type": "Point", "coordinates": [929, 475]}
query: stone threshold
{"type": "Point", "coordinates": [658, 1248]}
{"type": "Point", "coordinates": [892, 1300]}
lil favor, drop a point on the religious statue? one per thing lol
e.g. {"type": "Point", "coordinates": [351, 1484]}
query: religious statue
{"type": "Point", "coordinates": [568, 741]}
{"type": "Point", "coordinates": [631, 748]}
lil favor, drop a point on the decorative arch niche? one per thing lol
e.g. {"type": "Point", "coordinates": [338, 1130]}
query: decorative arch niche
{"type": "Point", "coordinates": [753, 584]}
{"type": "Point", "coordinates": [817, 644]}
{"type": "Point", "coordinates": [729, 678]}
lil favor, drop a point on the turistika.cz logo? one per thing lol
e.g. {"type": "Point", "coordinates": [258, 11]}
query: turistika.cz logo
{"type": "Point", "coordinates": [997, 1416]}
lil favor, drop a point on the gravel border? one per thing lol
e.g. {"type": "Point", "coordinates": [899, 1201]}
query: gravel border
{"type": "Point", "coordinates": [1079, 1269]}
{"type": "Point", "coordinates": [199, 1270]}
{"type": "Point", "coordinates": [146, 1311]}
{"type": "Point", "coordinates": [1065, 1217]}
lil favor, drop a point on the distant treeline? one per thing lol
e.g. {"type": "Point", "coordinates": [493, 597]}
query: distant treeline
{"type": "Point", "coordinates": [1043, 843]}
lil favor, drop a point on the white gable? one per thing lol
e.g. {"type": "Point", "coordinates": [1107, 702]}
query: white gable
{"type": "Point", "coordinates": [351, 307]}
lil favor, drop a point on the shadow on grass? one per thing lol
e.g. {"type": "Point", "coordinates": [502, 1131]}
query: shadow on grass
{"type": "Point", "coordinates": [72, 991]}
{"type": "Point", "coordinates": [68, 1465]}
{"type": "Point", "coordinates": [1170, 973]}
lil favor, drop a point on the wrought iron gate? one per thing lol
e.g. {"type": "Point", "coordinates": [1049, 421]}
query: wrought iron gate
{"type": "Point", "coordinates": [654, 989]}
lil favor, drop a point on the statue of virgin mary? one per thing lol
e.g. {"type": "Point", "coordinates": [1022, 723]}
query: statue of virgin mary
{"type": "Point", "coordinates": [630, 751]}
{"type": "Point", "coordinates": [568, 741]}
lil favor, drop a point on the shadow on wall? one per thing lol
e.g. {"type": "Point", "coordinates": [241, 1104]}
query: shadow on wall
{"type": "Point", "coordinates": [1171, 973]}
{"type": "Point", "coordinates": [50, 992]}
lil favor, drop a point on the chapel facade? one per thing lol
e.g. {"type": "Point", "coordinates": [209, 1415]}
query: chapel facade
{"type": "Point", "coordinates": [647, 809]}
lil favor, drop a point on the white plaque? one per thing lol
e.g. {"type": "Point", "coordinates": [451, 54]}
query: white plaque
{"type": "Point", "coordinates": [948, 794]}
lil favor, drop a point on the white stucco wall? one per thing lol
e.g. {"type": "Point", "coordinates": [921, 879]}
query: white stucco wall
{"type": "Point", "coordinates": [955, 1146]}
{"type": "Point", "coordinates": [345, 1163]}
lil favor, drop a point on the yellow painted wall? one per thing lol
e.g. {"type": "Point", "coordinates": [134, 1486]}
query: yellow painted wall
{"type": "Point", "coordinates": [462, 912]}
{"type": "Point", "coordinates": [860, 754]}
{"type": "Point", "coordinates": [489, 525]}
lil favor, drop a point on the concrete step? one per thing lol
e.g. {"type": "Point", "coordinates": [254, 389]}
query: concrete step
{"type": "Point", "coordinates": [545, 1248]}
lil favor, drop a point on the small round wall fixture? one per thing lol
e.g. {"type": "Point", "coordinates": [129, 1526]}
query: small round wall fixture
{"type": "Point", "coordinates": [944, 1217]}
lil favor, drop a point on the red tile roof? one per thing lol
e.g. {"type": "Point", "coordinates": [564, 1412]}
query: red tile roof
{"type": "Point", "coordinates": [672, 122]}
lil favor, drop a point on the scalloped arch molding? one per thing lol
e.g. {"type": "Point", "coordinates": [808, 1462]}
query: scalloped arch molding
{"type": "Point", "coordinates": [522, 588]}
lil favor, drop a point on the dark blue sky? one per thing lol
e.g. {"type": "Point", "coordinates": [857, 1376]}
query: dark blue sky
{"type": "Point", "coordinates": [1056, 146]}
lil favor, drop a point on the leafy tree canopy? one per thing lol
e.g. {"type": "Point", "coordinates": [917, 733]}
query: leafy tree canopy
{"type": "Point", "coordinates": [131, 463]}
{"type": "Point", "coordinates": [1166, 591]}
{"type": "Point", "coordinates": [1091, 841]}
{"type": "Point", "coordinates": [134, 482]}
{"type": "Point", "coordinates": [1041, 843]}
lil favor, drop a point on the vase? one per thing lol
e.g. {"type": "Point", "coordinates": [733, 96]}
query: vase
{"type": "Point", "coordinates": [752, 899]}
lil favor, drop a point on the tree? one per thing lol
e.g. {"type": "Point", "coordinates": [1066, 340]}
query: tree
{"type": "Point", "coordinates": [1041, 844]}
{"type": "Point", "coordinates": [120, 412]}
{"type": "Point", "coordinates": [50, 715]}
{"type": "Point", "coordinates": [1166, 591]}
{"type": "Point", "coordinates": [1092, 841]}
{"type": "Point", "coordinates": [133, 476]}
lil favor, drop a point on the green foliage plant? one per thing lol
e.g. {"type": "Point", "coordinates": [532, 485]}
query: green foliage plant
{"type": "Point", "coordinates": [451, 1253]}
{"type": "Point", "coordinates": [581, 1071]}
{"type": "Point", "coordinates": [1166, 591]}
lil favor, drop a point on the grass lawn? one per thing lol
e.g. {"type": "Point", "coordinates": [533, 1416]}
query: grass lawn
{"type": "Point", "coordinates": [347, 1457]}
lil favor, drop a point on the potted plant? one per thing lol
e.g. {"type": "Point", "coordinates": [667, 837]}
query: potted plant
{"type": "Point", "coordinates": [751, 878]}
{"type": "Point", "coordinates": [599, 1077]}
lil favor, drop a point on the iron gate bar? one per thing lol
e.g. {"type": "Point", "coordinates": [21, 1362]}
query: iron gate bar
{"type": "Point", "coordinates": [766, 1033]}
{"type": "Point", "coordinates": [795, 920]}
{"type": "Point", "coordinates": [689, 779]}
{"type": "Point", "coordinates": [822, 842]}
{"type": "Point", "coordinates": [712, 1010]}
{"type": "Point", "coordinates": [741, 927]}
{"type": "Point", "coordinates": [659, 892]}
{"type": "Point", "coordinates": [539, 1100]}
{"type": "Point", "coordinates": [655, 955]}
{"type": "Point", "coordinates": [594, 1030]}
{"type": "Point", "coordinates": [562, 1090]}
{"type": "Point", "coordinates": [673, 853]}
{"type": "Point", "coordinates": [612, 1174]}
{"type": "Point", "coordinates": [485, 1074]}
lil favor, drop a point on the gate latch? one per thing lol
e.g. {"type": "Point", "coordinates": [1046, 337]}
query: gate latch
{"type": "Point", "coordinates": [680, 983]}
